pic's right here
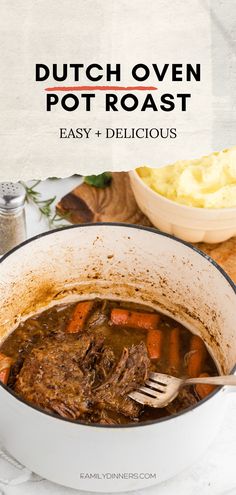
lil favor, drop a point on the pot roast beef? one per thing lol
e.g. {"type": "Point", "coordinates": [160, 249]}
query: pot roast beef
{"type": "Point", "coordinates": [80, 360]}
{"type": "Point", "coordinates": [78, 377]}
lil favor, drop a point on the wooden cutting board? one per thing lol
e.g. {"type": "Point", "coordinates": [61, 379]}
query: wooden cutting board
{"type": "Point", "coordinates": [116, 203]}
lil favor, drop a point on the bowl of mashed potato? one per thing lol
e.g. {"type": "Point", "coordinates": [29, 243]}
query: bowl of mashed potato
{"type": "Point", "coordinates": [194, 200]}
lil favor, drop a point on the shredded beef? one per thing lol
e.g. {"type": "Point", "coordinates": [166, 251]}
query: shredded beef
{"type": "Point", "coordinates": [130, 372]}
{"type": "Point", "coordinates": [78, 377]}
{"type": "Point", "coordinates": [185, 398]}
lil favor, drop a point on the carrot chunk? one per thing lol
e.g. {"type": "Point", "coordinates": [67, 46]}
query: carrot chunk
{"type": "Point", "coordinates": [196, 356]}
{"type": "Point", "coordinates": [174, 349]}
{"type": "Point", "coordinates": [154, 343]}
{"type": "Point", "coordinates": [5, 366]}
{"type": "Point", "coordinates": [204, 389]}
{"type": "Point", "coordinates": [134, 319]}
{"type": "Point", "coordinates": [79, 316]}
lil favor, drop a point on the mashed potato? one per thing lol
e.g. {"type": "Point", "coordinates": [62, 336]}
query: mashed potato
{"type": "Point", "coordinates": [208, 182]}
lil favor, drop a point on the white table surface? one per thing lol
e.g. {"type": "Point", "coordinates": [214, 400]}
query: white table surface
{"type": "Point", "coordinates": [213, 474]}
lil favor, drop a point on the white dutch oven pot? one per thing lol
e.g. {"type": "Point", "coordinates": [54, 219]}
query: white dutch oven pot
{"type": "Point", "coordinates": [123, 262]}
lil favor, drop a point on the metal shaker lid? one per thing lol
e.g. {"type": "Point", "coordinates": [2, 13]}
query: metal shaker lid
{"type": "Point", "coordinates": [11, 195]}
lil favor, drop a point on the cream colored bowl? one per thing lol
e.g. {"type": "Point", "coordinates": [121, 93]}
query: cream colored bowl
{"type": "Point", "coordinates": [188, 223]}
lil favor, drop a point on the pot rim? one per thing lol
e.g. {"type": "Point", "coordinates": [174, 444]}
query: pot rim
{"type": "Point", "coordinates": [138, 227]}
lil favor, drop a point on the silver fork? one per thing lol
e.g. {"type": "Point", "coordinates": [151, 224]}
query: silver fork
{"type": "Point", "coordinates": [161, 389]}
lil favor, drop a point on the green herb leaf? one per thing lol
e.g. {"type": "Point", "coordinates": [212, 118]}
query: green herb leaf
{"type": "Point", "coordinates": [100, 181]}
{"type": "Point", "coordinates": [45, 206]}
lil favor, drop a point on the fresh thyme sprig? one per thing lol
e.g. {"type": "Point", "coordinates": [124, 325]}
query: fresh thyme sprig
{"type": "Point", "coordinates": [56, 218]}
{"type": "Point", "coordinates": [44, 206]}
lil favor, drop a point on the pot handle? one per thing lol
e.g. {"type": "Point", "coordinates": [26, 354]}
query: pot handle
{"type": "Point", "coordinates": [229, 389]}
{"type": "Point", "coordinates": [22, 473]}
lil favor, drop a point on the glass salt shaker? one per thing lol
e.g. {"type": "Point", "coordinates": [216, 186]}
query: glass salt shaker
{"type": "Point", "coordinates": [12, 215]}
